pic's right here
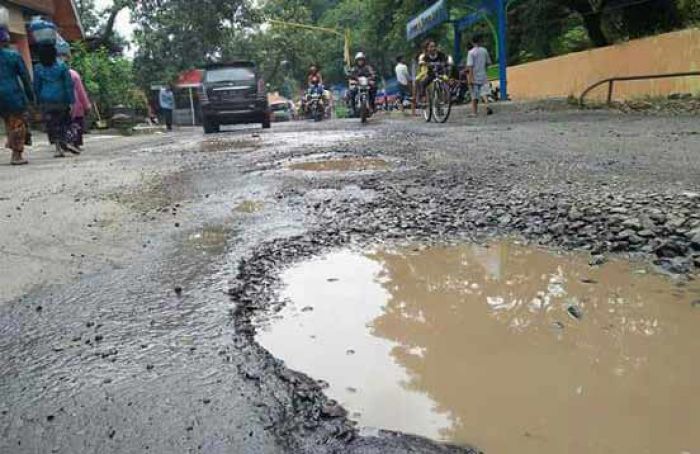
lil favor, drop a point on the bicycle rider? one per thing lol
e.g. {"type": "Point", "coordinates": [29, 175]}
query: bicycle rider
{"type": "Point", "coordinates": [427, 63]}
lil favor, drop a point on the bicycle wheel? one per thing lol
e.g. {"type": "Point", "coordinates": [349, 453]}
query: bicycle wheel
{"type": "Point", "coordinates": [442, 102]}
{"type": "Point", "coordinates": [428, 107]}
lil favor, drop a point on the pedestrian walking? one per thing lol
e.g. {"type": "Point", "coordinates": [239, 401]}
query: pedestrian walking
{"type": "Point", "coordinates": [403, 78]}
{"type": "Point", "coordinates": [82, 105]}
{"type": "Point", "coordinates": [478, 59]}
{"type": "Point", "coordinates": [166, 100]}
{"type": "Point", "coordinates": [15, 95]}
{"type": "Point", "coordinates": [55, 95]}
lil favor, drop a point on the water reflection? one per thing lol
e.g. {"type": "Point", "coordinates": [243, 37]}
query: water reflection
{"type": "Point", "coordinates": [501, 353]}
{"type": "Point", "coordinates": [510, 348]}
{"type": "Point", "coordinates": [324, 333]}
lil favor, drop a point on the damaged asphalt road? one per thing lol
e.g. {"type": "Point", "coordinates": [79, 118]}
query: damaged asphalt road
{"type": "Point", "coordinates": [136, 333]}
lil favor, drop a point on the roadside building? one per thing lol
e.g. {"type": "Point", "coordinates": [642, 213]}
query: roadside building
{"type": "Point", "coordinates": [63, 13]}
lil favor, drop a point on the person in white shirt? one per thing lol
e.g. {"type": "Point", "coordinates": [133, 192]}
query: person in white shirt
{"type": "Point", "coordinates": [478, 60]}
{"type": "Point", "coordinates": [403, 78]}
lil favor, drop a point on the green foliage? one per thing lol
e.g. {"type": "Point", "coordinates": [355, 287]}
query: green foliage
{"type": "Point", "coordinates": [108, 80]}
{"type": "Point", "coordinates": [89, 15]}
{"type": "Point", "coordinates": [282, 53]}
{"type": "Point", "coordinates": [690, 11]}
{"type": "Point", "coordinates": [175, 35]}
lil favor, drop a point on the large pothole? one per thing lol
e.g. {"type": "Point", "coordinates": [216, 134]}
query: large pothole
{"type": "Point", "coordinates": [512, 348]}
{"type": "Point", "coordinates": [342, 165]}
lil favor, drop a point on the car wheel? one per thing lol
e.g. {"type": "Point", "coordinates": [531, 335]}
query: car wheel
{"type": "Point", "coordinates": [209, 127]}
{"type": "Point", "coordinates": [266, 122]}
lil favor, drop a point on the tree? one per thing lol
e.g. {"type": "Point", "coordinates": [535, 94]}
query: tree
{"type": "Point", "coordinates": [109, 80]}
{"type": "Point", "coordinates": [99, 24]}
{"type": "Point", "coordinates": [591, 11]}
{"type": "Point", "coordinates": [635, 20]}
{"type": "Point", "coordinates": [88, 15]}
{"type": "Point", "coordinates": [542, 23]}
{"type": "Point", "coordinates": [174, 35]}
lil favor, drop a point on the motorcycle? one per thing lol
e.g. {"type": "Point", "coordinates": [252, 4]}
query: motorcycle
{"type": "Point", "coordinates": [314, 105]}
{"type": "Point", "coordinates": [362, 99]}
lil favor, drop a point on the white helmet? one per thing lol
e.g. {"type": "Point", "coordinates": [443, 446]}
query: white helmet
{"type": "Point", "coordinates": [360, 56]}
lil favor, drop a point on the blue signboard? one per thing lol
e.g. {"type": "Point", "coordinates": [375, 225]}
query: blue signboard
{"type": "Point", "coordinates": [471, 19]}
{"type": "Point", "coordinates": [427, 20]}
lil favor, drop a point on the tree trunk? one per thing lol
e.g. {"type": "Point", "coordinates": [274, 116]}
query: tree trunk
{"type": "Point", "coordinates": [593, 23]}
{"type": "Point", "coordinates": [105, 36]}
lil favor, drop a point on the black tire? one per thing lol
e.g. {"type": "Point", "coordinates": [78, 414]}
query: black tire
{"type": "Point", "coordinates": [364, 112]}
{"type": "Point", "coordinates": [441, 103]}
{"type": "Point", "coordinates": [266, 122]}
{"type": "Point", "coordinates": [210, 127]}
{"type": "Point", "coordinates": [428, 108]}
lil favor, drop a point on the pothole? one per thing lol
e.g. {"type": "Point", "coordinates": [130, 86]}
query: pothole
{"type": "Point", "coordinates": [511, 348]}
{"type": "Point", "coordinates": [342, 165]}
{"type": "Point", "coordinates": [249, 206]}
{"type": "Point", "coordinates": [209, 240]}
{"type": "Point", "coordinates": [221, 144]}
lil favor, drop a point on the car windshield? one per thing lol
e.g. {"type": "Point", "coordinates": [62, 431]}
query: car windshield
{"type": "Point", "coordinates": [230, 75]}
{"type": "Point", "coordinates": [279, 107]}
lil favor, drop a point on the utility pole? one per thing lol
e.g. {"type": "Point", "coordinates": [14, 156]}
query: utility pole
{"type": "Point", "coordinates": [502, 48]}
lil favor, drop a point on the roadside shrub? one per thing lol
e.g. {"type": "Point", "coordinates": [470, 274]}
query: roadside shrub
{"type": "Point", "coordinates": [108, 80]}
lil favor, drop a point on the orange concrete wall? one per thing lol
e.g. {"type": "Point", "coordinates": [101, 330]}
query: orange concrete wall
{"type": "Point", "coordinates": [572, 73]}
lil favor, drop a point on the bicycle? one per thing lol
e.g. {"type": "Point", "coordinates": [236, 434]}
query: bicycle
{"type": "Point", "coordinates": [439, 97]}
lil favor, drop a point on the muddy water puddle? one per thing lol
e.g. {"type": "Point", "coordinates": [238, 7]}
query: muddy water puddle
{"type": "Point", "coordinates": [249, 206]}
{"type": "Point", "coordinates": [342, 165]}
{"type": "Point", "coordinates": [209, 240]}
{"type": "Point", "coordinates": [510, 348]}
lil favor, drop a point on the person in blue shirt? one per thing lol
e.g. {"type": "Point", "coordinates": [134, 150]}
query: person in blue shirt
{"type": "Point", "coordinates": [54, 90]}
{"type": "Point", "coordinates": [15, 93]}
{"type": "Point", "coordinates": [166, 99]}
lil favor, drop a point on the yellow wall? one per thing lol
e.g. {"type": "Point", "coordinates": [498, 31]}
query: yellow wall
{"type": "Point", "coordinates": [572, 73]}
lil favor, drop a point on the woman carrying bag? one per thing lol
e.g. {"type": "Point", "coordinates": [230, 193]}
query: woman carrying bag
{"type": "Point", "coordinates": [15, 93]}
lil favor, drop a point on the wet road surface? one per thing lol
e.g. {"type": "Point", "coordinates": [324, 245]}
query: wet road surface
{"type": "Point", "coordinates": [131, 275]}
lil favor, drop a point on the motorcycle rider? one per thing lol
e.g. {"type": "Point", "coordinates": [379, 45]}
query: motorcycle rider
{"type": "Point", "coordinates": [363, 69]}
{"type": "Point", "coordinates": [426, 71]}
{"type": "Point", "coordinates": [315, 88]}
{"type": "Point", "coordinates": [314, 71]}
{"type": "Point", "coordinates": [314, 83]}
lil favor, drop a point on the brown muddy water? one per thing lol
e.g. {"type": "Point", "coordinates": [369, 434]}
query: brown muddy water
{"type": "Point", "coordinates": [223, 144]}
{"type": "Point", "coordinates": [342, 165]}
{"type": "Point", "coordinates": [250, 206]}
{"type": "Point", "coordinates": [510, 348]}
